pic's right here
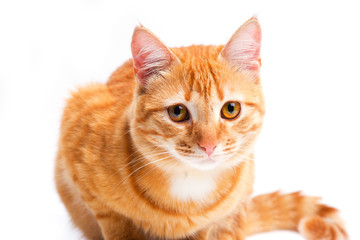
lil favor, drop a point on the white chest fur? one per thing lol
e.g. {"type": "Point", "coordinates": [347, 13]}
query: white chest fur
{"type": "Point", "coordinates": [192, 185]}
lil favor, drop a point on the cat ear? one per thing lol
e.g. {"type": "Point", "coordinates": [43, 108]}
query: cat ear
{"type": "Point", "coordinates": [242, 51]}
{"type": "Point", "coordinates": [150, 55]}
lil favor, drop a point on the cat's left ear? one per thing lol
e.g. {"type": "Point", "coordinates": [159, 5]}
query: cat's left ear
{"type": "Point", "coordinates": [151, 57]}
{"type": "Point", "coordinates": [242, 51]}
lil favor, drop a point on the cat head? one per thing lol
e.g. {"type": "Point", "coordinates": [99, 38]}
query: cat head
{"type": "Point", "coordinates": [197, 107]}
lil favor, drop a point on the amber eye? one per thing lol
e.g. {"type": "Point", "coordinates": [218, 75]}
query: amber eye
{"type": "Point", "coordinates": [178, 113]}
{"type": "Point", "coordinates": [230, 110]}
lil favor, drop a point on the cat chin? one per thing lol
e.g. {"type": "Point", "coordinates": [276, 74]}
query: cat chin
{"type": "Point", "coordinates": [211, 165]}
{"type": "Point", "coordinates": [205, 167]}
{"type": "Point", "coordinates": [207, 164]}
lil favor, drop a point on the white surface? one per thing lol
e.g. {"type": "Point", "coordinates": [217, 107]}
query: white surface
{"type": "Point", "coordinates": [310, 55]}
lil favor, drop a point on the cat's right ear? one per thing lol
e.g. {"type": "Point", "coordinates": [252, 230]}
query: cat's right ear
{"type": "Point", "coordinates": [150, 56]}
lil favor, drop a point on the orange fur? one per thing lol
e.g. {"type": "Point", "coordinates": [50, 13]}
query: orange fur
{"type": "Point", "coordinates": [114, 169]}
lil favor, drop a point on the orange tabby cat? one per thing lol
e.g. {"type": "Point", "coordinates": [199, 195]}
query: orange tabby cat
{"type": "Point", "coordinates": [164, 150]}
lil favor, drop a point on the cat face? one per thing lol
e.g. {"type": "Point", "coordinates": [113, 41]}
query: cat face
{"type": "Point", "coordinates": [197, 107]}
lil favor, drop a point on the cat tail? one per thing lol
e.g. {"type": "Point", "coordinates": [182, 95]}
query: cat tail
{"type": "Point", "coordinates": [276, 211]}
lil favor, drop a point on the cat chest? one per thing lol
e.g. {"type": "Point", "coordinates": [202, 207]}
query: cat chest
{"type": "Point", "coordinates": [190, 186]}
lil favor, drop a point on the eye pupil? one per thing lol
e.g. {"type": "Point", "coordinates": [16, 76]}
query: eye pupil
{"type": "Point", "coordinates": [231, 107]}
{"type": "Point", "coordinates": [177, 110]}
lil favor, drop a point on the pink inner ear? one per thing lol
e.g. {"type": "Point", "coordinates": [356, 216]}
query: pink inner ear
{"type": "Point", "coordinates": [243, 49]}
{"type": "Point", "coordinates": [150, 55]}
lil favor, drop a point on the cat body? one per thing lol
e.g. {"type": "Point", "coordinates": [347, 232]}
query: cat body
{"type": "Point", "coordinates": [164, 149]}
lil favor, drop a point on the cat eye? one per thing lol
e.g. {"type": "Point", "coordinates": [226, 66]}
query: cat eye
{"type": "Point", "coordinates": [230, 110]}
{"type": "Point", "coordinates": [178, 113]}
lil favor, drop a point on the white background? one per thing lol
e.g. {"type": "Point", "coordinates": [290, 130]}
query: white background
{"type": "Point", "coordinates": [310, 140]}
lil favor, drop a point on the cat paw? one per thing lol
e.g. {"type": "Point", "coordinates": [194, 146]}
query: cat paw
{"type": "Point", "coordinates": [319, 228]}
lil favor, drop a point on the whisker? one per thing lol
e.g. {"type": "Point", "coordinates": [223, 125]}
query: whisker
{"type": "Point", "coordinates": [245, 159]}
{"type": "Point", "coordinates": [141, 168]}
{"type": "Point", "coordinates": [136, 161]}
{"type": "Point", "coordinates": [155, 166]}
{"type": "Point", "coordinates": [139, 158]}
{"type": "Point", "coordinates": [130, 129]}
{"type": "Point", "coordinates": [245, 151]}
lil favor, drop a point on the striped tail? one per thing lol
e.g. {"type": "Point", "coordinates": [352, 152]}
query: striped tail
{"type": "Point", "coordinates": [295, 212]}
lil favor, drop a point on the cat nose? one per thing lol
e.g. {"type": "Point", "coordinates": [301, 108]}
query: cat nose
{"type": "Point", "coordinates": [208, 147]}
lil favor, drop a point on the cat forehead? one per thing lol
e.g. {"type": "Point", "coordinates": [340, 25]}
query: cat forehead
{"type": "Point", "coordinates": [198, 99]}
{"type": "Point", "coordinates": [200, 77]}
{"type": "Point", "coordinates": [204, 83]}
{"type": "Point", "coordinates": [198, 73]}
{"type": "Point", "coordinates": [200, 82]}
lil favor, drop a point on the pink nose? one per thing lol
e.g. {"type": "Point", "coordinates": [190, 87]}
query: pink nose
{"type": "Point", "coordinates": [208, 147]}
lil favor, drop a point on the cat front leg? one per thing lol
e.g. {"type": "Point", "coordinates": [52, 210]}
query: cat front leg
{"type": "Point", "coordinates": [231, 227]}
{"type": "Point", "coordinates": [115, 226]}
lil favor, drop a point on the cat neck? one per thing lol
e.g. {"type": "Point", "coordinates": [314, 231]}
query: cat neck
{"type": "Point", "coordinates": [189, 190]}
{"type": "Point", "coordinates": [188, 184]}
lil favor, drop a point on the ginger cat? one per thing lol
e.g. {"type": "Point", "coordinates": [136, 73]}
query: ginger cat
{"type": "Point", "coordinates": [164, 150]}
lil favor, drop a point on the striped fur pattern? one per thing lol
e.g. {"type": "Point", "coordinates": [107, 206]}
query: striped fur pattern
{"type": "Point", "coordinates": [125, 170]}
